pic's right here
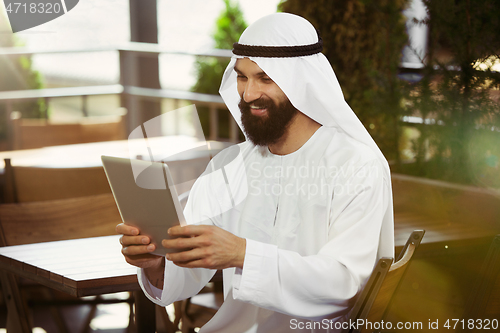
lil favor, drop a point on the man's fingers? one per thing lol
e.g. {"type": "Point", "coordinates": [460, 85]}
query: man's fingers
{"type": "Point", "coordinates": [134, 240]}
{"type": "Point", "coordinates": [185, 256]}
{"type": "Point", "coordinates": [143, 260]}
{"type": "Point", "coordinates": [187, 231]}
{"type": "Point", "coordinates": [191, 264]}
{"type": "Point", "coordinates": [138, 249]}
{"type": "Point", "coordinates": [185, 243]}
{"type": "Point", "coordinates": [192, 259]}
{"type": "Point", "coordinates": [126, 229]}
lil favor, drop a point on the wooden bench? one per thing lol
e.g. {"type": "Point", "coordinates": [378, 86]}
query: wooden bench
{"type": "Point", "coordinates": [37, 133]}
{"type": "Point", "coordinates": [28, 184]}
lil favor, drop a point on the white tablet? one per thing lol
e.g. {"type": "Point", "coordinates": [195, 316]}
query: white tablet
{"type": "Point", "coordinates": [146, 197]}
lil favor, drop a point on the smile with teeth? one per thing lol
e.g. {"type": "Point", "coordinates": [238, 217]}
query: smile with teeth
{"type": "Point", "coordinates": [258, 110]}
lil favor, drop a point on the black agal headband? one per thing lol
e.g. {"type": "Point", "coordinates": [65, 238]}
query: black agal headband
{"type": "Point", "coordinates": [278, 51]}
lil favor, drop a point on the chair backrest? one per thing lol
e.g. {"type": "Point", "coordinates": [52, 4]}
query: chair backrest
{"type": "Point", "coordinates": [38, 133]}
{"type": "Point", "coordinates": [377, 293]}
{"type": "Point", "coordinates": [35, 222]}
{"type": "Point", "coordinates": [26, 184]}
{"type": "Point", "coordinates": [484, 300]}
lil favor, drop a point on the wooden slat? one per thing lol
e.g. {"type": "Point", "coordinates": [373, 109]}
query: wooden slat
{"type": "Point", "coordinates": [40, 184]}
{"type": "Point", "coordinates": [378, 291]}
{"type": "Point", "coordinates": [74, 265]}
{"type": "Point", "coordinates": [454, 216]}
{"type": "Point", "coordinates": [59, 219]}
{"type": "Point", "coordinates": [438, 231]}
{"type": "Point", "coordinates": [39, 279]}
{"type": "Point", "coordinates": [440, 200]}
{"type": "Point", "coordinates": [37, 133]}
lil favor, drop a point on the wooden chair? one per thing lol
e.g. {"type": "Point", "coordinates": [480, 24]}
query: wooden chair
{"type": "Point", "coordinates": [484, 300]}
{"type": "Point", "coordinates": [37, 133]}
{"type": "Point", "coordinates": [376, 295]}
{"type": "Point", "coordinates": [27, 184]}
{"type": "Point", "coordinates": [34, 222]}
{"type": "Point", "coordinates": [198, 310]}
{"type": "Point", "coordinates": [370, 305]}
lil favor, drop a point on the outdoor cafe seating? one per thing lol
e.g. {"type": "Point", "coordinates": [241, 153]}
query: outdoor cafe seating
{"type": "Point", "coordinates": [60, 193]}
{"type": "Point", "coordinates": [46, 221]}
{"type": "Point", "coordinates": [442, 209]}
{"type": "Point", "coordinates": [37, 197]}
{"type": "Point", "coordinates": [28, 184]}
{"type": "Point", "coordinates": [41, 201]}
{"type": "Point", "coordinates": [37, 133]}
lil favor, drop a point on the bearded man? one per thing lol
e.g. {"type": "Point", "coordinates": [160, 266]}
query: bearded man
{"type": "Point", "coordinates": [316, 212]}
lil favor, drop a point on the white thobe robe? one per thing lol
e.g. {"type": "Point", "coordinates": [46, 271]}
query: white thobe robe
{"type": "Point", "coordinates": [312, 221]}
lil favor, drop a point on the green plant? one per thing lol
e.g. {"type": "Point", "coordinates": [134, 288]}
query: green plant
{"type": "Point", "coordinates": [363, 40]}
{"type": "Point", "coordinates": [456, 91]}
{"type": "Point", "coordinates": [229, 27]}
{"type": "Point", "coordinates": [17, 74]}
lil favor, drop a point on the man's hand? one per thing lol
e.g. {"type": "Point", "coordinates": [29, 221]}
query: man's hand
{"type": "Point", "coordinates": [205, 246]}
{"type": "Point", "coordinates": [136, 249]}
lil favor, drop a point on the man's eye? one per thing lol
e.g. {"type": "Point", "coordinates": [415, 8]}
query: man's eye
{"type": "Point", "coordinates": [267, 79]}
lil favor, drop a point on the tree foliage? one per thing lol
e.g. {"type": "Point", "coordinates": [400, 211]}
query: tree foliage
{"type": "Point", "coordinates": [16, 73]}
{"type": "Point", "coordinates": [458, 92]}
{"type": "Point", "coordinates": [363, 40]}
{"type": "Point", "coordinates": [229, 27]}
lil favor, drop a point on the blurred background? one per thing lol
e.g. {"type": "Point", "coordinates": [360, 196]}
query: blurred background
{"type": "Point", "coordinates": [423, 76]}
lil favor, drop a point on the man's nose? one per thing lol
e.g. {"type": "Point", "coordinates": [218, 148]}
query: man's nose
{"type": "Point", "coordinates": [252, 92]}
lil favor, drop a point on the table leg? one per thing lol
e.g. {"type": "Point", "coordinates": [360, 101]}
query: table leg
{"type": "Point", "coordinates": [163, 322]}
{"type": "Point", "coordinates": [145, 315]}
{"type": "Point", "coordinates": [17, 316]}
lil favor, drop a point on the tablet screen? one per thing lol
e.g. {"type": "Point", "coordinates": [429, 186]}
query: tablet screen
{"type": "Point", "coordinates": [145, 196]}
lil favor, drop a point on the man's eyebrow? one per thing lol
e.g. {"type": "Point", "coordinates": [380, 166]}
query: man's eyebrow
{"type": "Point", "coordinates": [260, 74]}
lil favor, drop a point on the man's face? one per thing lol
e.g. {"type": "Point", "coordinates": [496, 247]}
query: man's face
{"type": "Point", "coordinates": [266, 112]}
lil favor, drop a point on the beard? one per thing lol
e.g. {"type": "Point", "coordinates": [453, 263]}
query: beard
{"type": "Point", "coordinates": [268, 129]}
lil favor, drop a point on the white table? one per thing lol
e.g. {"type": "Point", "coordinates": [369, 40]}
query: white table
{"type": "Point", "coordinates": [89, 154]}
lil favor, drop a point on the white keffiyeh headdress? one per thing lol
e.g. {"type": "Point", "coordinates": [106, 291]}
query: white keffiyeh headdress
{"type": "Point", "coordinates": [308, 80]}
